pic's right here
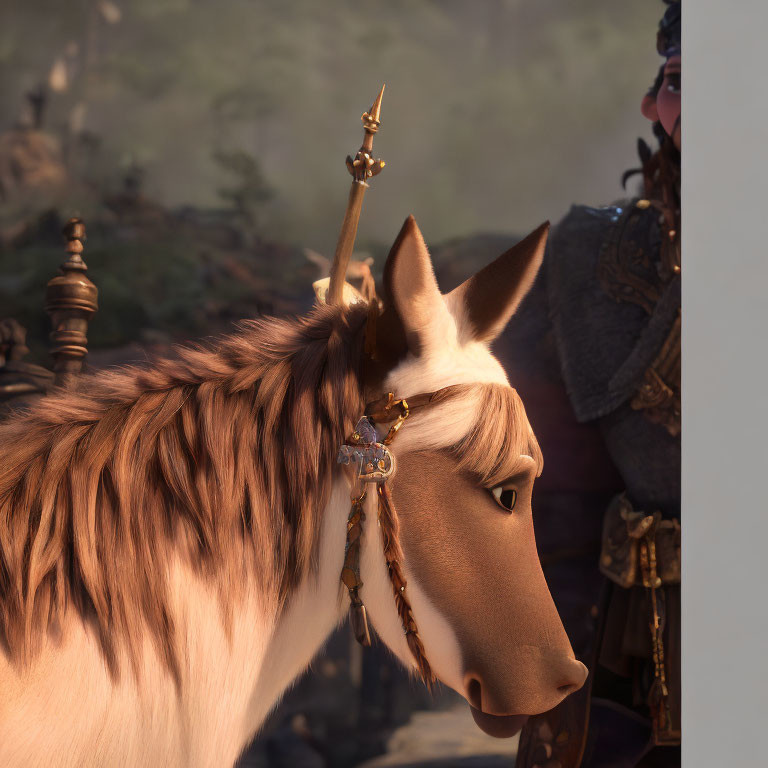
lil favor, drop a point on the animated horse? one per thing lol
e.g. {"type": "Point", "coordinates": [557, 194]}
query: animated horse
{"type": "Point", "coordinates": [172, 538]}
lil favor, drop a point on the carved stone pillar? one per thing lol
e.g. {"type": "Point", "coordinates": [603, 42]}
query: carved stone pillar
{"type": "Point", "coordinates": [71, 300]}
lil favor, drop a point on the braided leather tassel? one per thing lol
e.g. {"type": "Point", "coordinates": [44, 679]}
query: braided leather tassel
{"type": "Point", "coordinates": [350, 573]}
{"type": "Point", "coordinates": [390, 530]}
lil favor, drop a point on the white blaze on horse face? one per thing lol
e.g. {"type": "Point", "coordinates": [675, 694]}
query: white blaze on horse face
{"type": "Point", "coordinates": [440, 642]}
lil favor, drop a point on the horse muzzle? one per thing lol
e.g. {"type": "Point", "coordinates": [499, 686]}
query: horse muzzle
{"type": "Point", "coordinates": [499, 726]}
{"type": "Point", "coordinates": [535, 691]}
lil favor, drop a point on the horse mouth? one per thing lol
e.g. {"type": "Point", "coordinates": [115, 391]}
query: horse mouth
{"type": "Point", "coordinates": [499, 726]}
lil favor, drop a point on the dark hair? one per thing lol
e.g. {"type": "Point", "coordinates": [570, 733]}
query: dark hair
{"type": "Point", "coordinates": [668, 35]}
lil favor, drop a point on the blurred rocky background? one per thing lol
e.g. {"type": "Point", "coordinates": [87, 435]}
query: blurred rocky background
{"type": "Point", "coordinates": [203, 143]}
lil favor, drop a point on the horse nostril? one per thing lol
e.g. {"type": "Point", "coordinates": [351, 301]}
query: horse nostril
{"type": "Point", "coordinates": [474, 693]}
{"type": "Point", "coordinates": [574, 676]}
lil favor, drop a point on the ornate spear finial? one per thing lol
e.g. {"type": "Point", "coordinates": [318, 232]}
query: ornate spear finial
{"type": "Point", "coordinates": [362, 167]}
{"type": "Point", "coordinates": [71, 300]}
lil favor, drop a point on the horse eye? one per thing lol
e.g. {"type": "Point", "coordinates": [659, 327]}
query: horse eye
{"type": "Point", "coordinates": [505, 497]}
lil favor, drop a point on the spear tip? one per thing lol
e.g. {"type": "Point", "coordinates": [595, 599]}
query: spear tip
{"type": "Point", "coordinates": [372, 118]}
{"type": "Point", "coordinates": [375, 110]}
{"type": "Point", "coordinates": [362, 167]}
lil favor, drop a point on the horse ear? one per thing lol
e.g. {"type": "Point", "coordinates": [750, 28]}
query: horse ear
{"type": "Point", "coordinates": [412, 291]}
{"type": "Point", "coordinates": [489, 298]}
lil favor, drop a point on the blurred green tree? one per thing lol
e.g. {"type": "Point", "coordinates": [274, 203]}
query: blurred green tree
{"type": "Point", "coordinates": [250, 191]}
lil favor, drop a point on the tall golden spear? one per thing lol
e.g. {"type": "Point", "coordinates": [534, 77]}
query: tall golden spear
{"type": "Point", "coordinates": [362, 167]}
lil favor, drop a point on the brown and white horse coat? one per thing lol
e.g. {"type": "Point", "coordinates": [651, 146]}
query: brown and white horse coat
{"type": "Point", "coordinates": [171, 539]}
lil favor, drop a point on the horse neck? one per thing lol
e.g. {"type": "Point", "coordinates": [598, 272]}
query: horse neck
{"type": "Point", "coordinates": [274, 646]}
{"type": "Point", "coordinates": [244, 669]}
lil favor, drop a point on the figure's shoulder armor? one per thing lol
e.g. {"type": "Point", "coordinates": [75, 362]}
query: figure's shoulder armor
{"type": "Point", "coordinates": [610, 306]}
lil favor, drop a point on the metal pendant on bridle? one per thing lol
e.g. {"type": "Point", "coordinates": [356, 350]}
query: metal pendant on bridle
{"type": "Point", "coordinates": [374, 460]}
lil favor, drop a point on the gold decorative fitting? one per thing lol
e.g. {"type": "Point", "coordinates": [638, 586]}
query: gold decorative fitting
{"type": "Point", "coordinates": [645, 552]}
{"type": "Point", "coordinates": [403, 405]}
{"type": "Point", "coordinates": [643, 204]}
{"type": "Point", "coordinates": [363, 166]}
{"type": "Point", "coordinates": [361, 498]}
{"type": "Point", "coordinates": [392, 402]}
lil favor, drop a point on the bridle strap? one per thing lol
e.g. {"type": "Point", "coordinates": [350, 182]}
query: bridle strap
{"type": "Point", "coordinates": [388, 408]}
{"type": "Point", "coordinates": [393, 411]}
{"type": "Point", "coordinates": [390, 533]}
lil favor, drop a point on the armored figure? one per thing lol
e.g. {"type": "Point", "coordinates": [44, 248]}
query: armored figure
{"type": "Point", "coordinates": [603, 324]}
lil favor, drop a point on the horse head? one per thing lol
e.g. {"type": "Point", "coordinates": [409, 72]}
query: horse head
{"type": "Point", "coordinates": [465, 468]}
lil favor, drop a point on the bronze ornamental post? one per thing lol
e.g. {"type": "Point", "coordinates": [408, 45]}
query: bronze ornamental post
{"type": "Point", "coordinates": [71, 300]}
